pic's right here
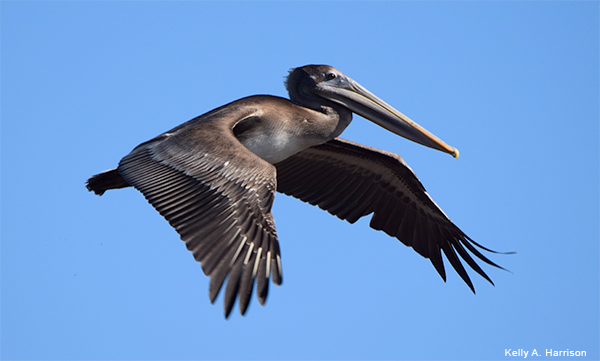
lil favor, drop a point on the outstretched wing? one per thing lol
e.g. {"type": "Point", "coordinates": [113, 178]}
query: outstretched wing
{"type": "Point", "coordinates": [218, 196]}
{"type": "Point", "coordinates": [351, 180]}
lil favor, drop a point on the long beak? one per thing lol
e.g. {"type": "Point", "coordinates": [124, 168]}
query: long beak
{"type": "Point", "coordinates": [364, 103]}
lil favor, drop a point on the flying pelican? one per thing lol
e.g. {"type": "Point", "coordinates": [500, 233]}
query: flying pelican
{"type": "Point", "coordinates": [214, 179]}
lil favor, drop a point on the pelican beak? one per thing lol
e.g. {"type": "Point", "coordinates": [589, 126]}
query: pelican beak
{"type": "Point", "coordinates": [359, 100]}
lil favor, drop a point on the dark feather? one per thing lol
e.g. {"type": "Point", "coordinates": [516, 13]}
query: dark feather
{"type": "Point", "coordinates": [220, 217]}
{"type": "Point", "coordinates": [378, 182]}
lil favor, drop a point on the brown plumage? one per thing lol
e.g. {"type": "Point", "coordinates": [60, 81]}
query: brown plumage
{"type": "Point", "coordinates": [214, 179]}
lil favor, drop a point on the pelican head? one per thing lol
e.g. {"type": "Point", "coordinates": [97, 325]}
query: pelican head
{"type": "Point", "coordinates": [309, 83]}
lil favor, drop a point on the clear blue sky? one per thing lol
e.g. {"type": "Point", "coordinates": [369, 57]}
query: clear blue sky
{"type": "Point", "coordinates": [513, 85]}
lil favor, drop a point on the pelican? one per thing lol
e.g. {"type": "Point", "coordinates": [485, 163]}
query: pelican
{"type": "Point", "coordinates": [214, 179]}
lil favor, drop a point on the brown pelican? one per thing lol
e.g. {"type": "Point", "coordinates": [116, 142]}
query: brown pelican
{"type": "Point", "coordinates": [214, 179]}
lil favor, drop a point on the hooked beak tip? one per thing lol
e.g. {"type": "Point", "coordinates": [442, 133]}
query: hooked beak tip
{"type": "Point", "coordinates": [455, 153]}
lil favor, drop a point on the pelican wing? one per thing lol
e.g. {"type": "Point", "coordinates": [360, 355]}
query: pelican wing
{"type": "Point", "coordinates": [218, 196]}
{"type": "Point", "coordinates": [351, 180]}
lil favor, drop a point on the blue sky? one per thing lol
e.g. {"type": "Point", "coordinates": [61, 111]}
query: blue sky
{"type": "Point", "coordinates": [513, 85]}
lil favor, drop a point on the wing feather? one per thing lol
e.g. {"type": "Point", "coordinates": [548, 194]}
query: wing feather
{"type": "Point", "coordinates": [218, 196]}
{"type": "Point", "coordinates": [350, 181]}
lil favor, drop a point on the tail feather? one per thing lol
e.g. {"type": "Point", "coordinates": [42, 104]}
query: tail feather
{"type": "Point", "coordinates": [110, 179]}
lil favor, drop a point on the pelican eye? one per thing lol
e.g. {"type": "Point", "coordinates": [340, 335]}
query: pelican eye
{"type": "Point", "coordinates": [330, 76]}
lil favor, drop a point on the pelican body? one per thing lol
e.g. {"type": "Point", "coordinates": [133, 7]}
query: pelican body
{"type": "Point", "coordinates": [214, 179]}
